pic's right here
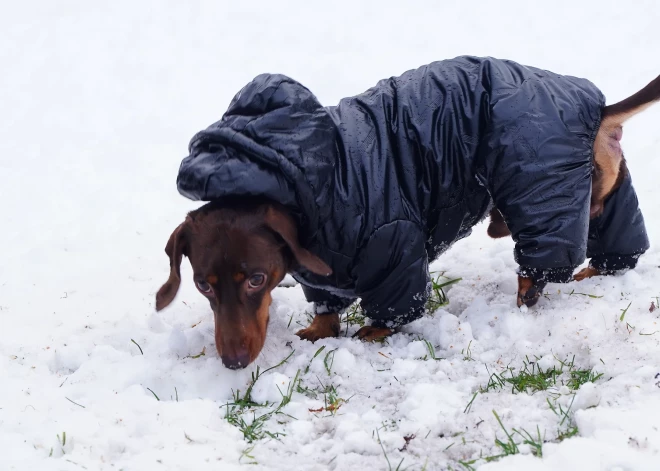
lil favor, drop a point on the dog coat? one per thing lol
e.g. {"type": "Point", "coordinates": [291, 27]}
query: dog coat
{"type": "Point", "coordinates": [387, 180]}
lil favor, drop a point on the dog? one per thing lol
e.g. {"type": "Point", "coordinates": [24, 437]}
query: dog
{"type": "Point", "coordinates": [355, 200]}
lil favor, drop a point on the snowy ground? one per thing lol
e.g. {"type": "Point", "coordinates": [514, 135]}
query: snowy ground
{"type": "Point", "coordinates": [99, 100]}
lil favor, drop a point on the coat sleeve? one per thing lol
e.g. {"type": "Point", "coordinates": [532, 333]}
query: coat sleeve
{"type": "Point", "coordinates": [618, 237]}
{"type": "Point", "coordinates": [392, 277]}
{"type": "Point", "coordinates": [326, 302]}
{"type": "Point", "coordinates": [539, 174]}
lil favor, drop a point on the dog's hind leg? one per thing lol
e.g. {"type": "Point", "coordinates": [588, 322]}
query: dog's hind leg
{"type": "Point", "coordinates": [529, 291]}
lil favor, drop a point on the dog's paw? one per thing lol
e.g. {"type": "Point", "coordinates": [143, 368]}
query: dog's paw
{"type": "Point", "coordinates": [586, 273]}
{"type": "Point", "coordinates": [528, 299]}
{"type": "Point", "coordinates": [322, 327]}
{"type": "Point", "coordinates": [312, 334]}
{"type": "Point", "coordinates": [370, 333]}
{"type": "Point", "coordinates": [529, 292]}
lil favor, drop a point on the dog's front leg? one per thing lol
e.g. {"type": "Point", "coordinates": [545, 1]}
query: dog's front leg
{"type": "Point", "coordinates": [586, 273]}
{"type": "Point", "coordinates": [323, 326]}
{"type": "Point", "coordinates": [370, 333]}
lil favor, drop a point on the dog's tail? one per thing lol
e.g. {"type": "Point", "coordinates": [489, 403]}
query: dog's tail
{"type": "Point", "coordinates": [624, 110]}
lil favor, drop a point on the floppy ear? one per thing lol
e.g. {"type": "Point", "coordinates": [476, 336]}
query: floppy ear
{"type": "Point", "coordinates": [282, 223]}
{"type": "Point", "coordinates": [175, 249]}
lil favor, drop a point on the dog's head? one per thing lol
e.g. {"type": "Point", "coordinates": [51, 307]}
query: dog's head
{"type": "Point", "coordinates": [239, 253]}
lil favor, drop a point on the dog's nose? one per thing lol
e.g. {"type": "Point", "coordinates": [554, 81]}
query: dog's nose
{"type": "Point", "coordinates": [236, 361]}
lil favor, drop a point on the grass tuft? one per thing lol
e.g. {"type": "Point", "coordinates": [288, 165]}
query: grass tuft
{"type": "Point", "coordinates": [580, 377]}
{"type": "Point", "coordinates": [199, 355]}
{"type": "Point", "coordinates": [236, 411]}
{"type": "Point", "coordinates": [593, 296]}
{"type": "Point", "coordinates": [329, 360]}
{"type": "Point", "coordinates": [469, 406]}
{"type": "Point", "coordinates": [246, 454]}
{"type": "Point", "coordinates": [467, 352]}
{"type": "Point", "coordinates": [318, 352]}
{"type": "Point", "coordinates": [508, 448]}
{"type": "Point", "coordinates": [535, 442]}
{"type": "Point", "coordinates": [331, 399]}
{"type": "Point", "coordinates": [354, 315]}
{"type": "Point", "coordinates": [431, 349]}
{"type": "Point", "coordinates": [438, 297]}
{"type": "Point", "coordinates": [531, 378]}
{"type": "Point", "coordinates": [62, 442]}
{"type": "Point", "coordinates": [570, 429]}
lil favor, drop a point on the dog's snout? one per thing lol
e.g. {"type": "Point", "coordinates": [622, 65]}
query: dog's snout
{"type": "Point", "coordinates": [236, 361]}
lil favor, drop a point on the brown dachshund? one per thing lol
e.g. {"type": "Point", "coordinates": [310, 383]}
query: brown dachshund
{"type": "Point", "coordinates": [240, 249]}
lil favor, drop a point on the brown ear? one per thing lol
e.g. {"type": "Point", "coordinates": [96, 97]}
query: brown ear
{"type": "Point", "coordinates": [174, 249]}
{"type": "Point", "coordinates": [282, 223]}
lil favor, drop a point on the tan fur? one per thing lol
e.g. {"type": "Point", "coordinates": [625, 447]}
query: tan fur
{"type": "Point", "coordinates": [586, 273]}
{"type": "Point", "coordinates": [369, 333]}
{"type": "Point", "coordinates": [609, 163]}
{"type": "Point", "coordinates": [238, 277]}
{"type": "Point", "coordinates": [259, 334]}
{"type": "Point", "coordinates": [608, 160]}
{"type": "Point", "coordinates": [322, 326]}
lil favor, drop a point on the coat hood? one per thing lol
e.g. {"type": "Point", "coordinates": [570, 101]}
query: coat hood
{"type": "Point", "coordinates": [272, 131]}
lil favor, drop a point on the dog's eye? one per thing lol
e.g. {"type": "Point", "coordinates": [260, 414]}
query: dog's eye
{"type": "Point", "coordinates": [257, 280]}
{"type": "Point", "coordinates": [203, 286]}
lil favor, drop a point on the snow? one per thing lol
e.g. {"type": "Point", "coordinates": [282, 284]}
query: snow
{"type": "Point", "coordinates": [99, 102]}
